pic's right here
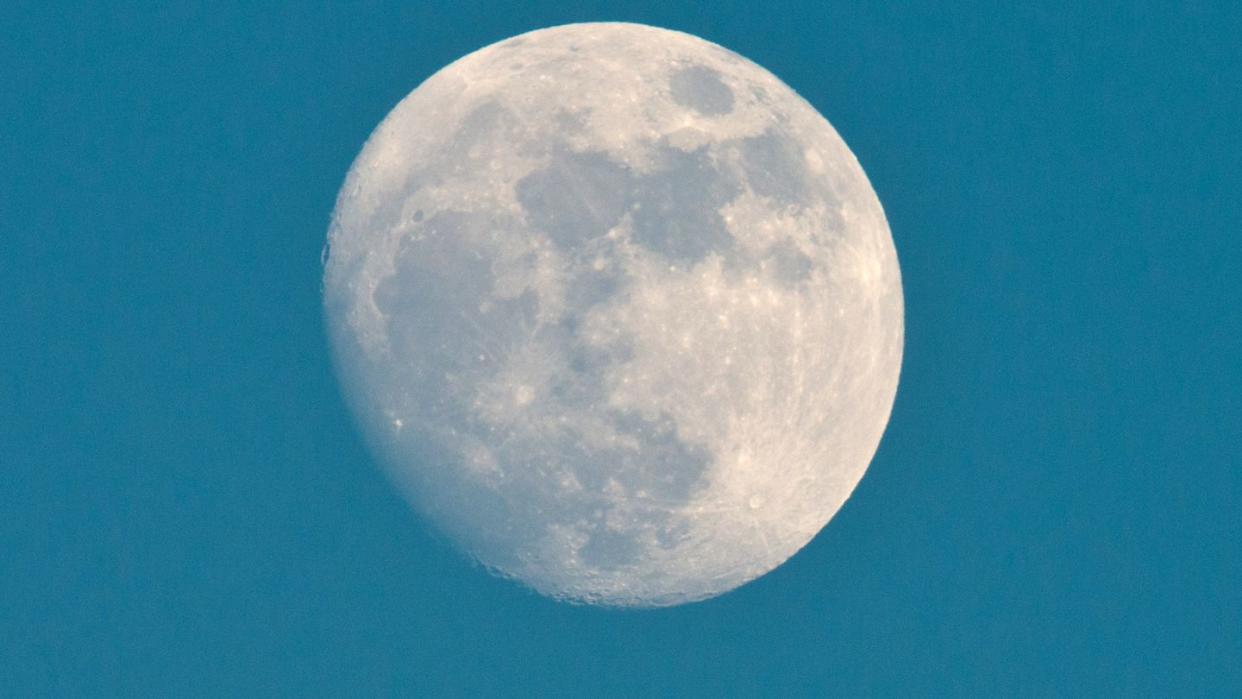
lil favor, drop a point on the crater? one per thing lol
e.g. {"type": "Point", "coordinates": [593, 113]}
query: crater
{"type": "Point", "coordinates": [701, 89]}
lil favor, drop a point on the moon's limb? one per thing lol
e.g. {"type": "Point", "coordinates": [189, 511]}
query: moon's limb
{"type": "Point", "coordinates": [620, 310]}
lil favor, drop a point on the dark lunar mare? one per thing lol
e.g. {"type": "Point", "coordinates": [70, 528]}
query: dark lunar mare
{"type": "Point", "coordinates": [442, 309]}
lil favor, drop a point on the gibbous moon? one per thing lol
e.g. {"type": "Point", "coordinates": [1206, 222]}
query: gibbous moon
{"type": "Point", "coordinates": [618, 310]}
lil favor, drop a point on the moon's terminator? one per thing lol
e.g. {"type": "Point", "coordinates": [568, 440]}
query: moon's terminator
{"type": "Point", "coordinates": [619, 310]}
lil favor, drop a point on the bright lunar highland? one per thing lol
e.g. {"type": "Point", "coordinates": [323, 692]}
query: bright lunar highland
{"type": "Point", "coordinates": [618, 310]}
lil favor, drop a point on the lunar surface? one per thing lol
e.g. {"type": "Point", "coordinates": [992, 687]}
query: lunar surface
{"type": "Point", "coordinates": [618, 310]}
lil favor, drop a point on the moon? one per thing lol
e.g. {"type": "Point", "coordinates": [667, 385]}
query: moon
{"type": "Point", "coordinates": [618, 311]}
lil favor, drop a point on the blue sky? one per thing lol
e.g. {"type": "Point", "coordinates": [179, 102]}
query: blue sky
{"type": "Point", "coordinates": [187, 508]}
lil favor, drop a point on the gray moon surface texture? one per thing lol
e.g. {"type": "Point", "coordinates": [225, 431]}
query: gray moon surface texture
{"type": "Point", "coordinates": [618, 310]}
